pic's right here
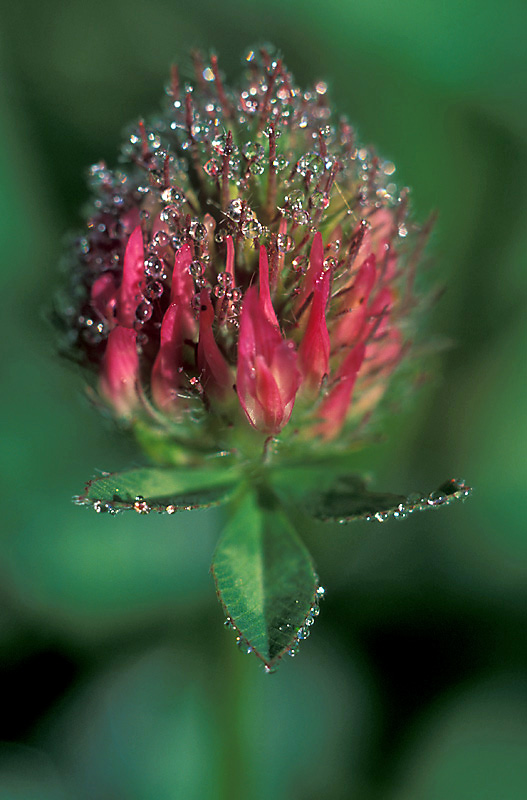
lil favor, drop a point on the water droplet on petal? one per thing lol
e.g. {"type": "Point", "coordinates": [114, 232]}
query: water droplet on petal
{"type": "Point", "coordinates": [144, 311]}
{"type": "Point", "coordinates": [160, 240]}
{"type": "Point", "coordinates": [154, 290]}
{"type": "Point", "coordinates": [196, 268]}
{"type": "Point", "coordinates": [154, 266]}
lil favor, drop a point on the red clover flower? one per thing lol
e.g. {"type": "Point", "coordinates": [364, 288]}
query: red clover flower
{"type": "Point", "coordinates": [244, 293]}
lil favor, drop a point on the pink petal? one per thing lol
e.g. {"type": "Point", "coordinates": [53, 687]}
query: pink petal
{"type": "Point", "coordinates": [182, 282]}
{"type": "Point", "coordinates": [382, 228]}
{"type": "Point", "coordinates": [335, 407]}
{"type": "Point", "coordinates": [316, 266]}
{"type": "Point", "coordinates": [267, 378]}
{"type": "Point", "coordinates": [215, 373]}
{"type": "Point", "coordinates": [167, 375]}
{"type": "Point", "coordinates": [384, 354]}
{"type": "Point", "coordinates": [120, 370]}
{"type": "Point", "coordinates": [286, 375]}
{"type": "Point", "coordinates": [350, 325]}
{"type": "Point", "coordinates": [379, 312]}
{"type": "Point", "coordinates": [265, 292]}
{"type": "Point", "coordinates": [314, 350]}
{"type": "Point", "coordinates": [104, 296]}
{"type": "Point", "coordinates": [269, 398]}
{"type": "Point", "coordinates": [133, 282]}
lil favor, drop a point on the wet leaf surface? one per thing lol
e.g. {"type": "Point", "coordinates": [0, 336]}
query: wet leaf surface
{"type": "Point", "coordinates": [163, 490]}
{"type": "Point", "coordinates": [265, 578]}
{"type": "Point", "coordinates": [350, 499]}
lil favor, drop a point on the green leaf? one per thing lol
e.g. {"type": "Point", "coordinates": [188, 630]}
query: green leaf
{"type": "Point", "coordinates": [265, 577]}
{"type": "Point", "coordinates": [152, 489]}
{"type": "Point", "coordinates": [349, 499]}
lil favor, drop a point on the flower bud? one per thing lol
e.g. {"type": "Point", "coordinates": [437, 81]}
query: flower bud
{"type": "Point", "coordinates": [267, 377]}
{"type": "Point", "coordinates": [249, 266]}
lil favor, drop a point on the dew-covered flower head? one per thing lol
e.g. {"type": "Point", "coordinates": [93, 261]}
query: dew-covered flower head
{"type": "Point", "coordinates": [246, 273]}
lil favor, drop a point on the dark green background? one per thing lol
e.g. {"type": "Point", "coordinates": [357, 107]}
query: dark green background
{"type": "Point", "coordinates": [119, 681]}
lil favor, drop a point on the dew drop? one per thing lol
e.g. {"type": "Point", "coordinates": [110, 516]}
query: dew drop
{"type": "Point", "coordinates": [170, 215]}
{"type": "Point", "coordinates": [196, 268]}
{"type": "Point", "coordinates": [198, 231]}
{"type": "Point", "coordinates": [234, 211]}
{"type": "Point", "coordinates": [160, 240]}
{"type": "Point", "coordinates": [301, 217]}
{"type": "Point", "coordinates": [295, 200]}
{"type": "Point", "coordinates": [414, 499]}
{"type": "Point", "coordinates": [436, 498]}
{"type": "Point", "coordinates": [300, 264]}
{"type": "Point", "coordinates": [154, 266]}
{"type": "Point", "coordinates": [310, 162]}
{"type": "Point", "coordinates": [319, 200]}
{"type": "Point", "coordinates": [251, 228]}
{"type": "Point", "coordinates": [154, 290]}
{"type": "Point", "coordinates": [171, 195]}
{"type": "Point", "coordinates": [144, 311]}
{"type": "Point", "coordinates": [256, 168]}
{"type": "Point", "coordinates": [253, 151]}
{"type": "Point", "coordinates": [401, 512]}
{"type": "Point", "coordinates": [225, 279]}
{"type": "Point", "coordinates": [140, 505]}
{"type": "Point", "coordinates": [280, 163]}
{"type": "Point", "coordinates": [284, 243]}
{"type": "Point", "coordinates": [212, 167]}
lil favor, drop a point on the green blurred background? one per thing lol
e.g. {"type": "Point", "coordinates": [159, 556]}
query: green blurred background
{"type": "Point", "coordinates": [119, 680]}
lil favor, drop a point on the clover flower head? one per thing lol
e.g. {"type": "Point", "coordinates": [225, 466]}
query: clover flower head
{"type": "Point", "coordinates": [248, 266]}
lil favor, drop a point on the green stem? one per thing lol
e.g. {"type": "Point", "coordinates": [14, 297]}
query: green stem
{"type": "Point", "coordinates": [233, 772]}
